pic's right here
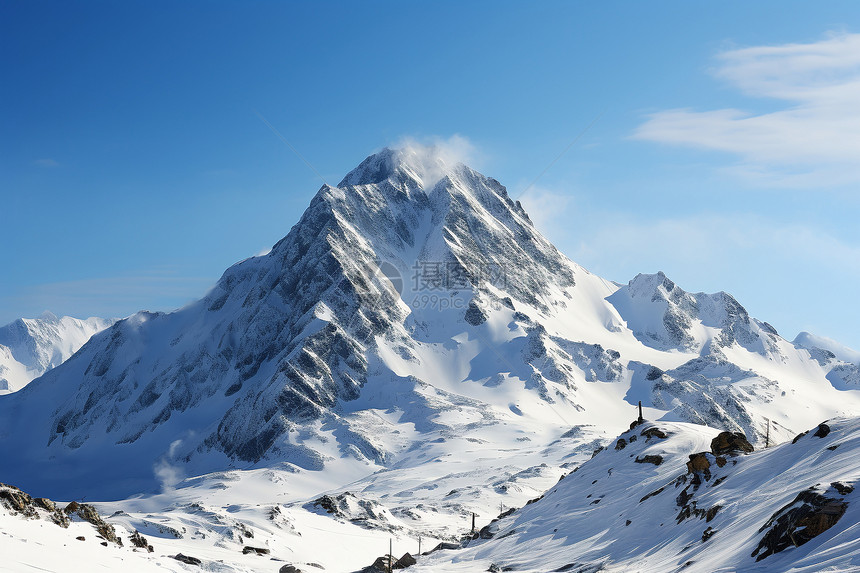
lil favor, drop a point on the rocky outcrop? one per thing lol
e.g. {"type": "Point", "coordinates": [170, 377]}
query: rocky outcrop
{"type": "Point", "coordinates": [730, 443]}
{"type": "Point", "coordinates": [187, 559]}
{"type": "Point", "coordinates": [381, 565]}
{"type": "Point", "coordinates": [649, 459]}
{"type": "Point", "coordinates": [140, 541]}
{"type": "Point", "coordinates": [247, 550]}
{"type": "Point", "coordinates": [22, 503]}
{"type": "Point", "coordinates": [810, 514]}
{"type": "Point", "coordinates": [88, 513]}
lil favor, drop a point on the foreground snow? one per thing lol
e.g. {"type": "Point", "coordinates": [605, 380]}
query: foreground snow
{"type": "Point", "coordinates": [614, 514]}
{"type": "Point", "coordinates": [608, 513]}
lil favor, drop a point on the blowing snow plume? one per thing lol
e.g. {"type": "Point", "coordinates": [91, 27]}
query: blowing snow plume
{"type": "Point", "coordinates": [432, 159]}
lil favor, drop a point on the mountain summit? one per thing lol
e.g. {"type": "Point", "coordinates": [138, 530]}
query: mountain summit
{"type": "Point", "coordinates": [415, 300]}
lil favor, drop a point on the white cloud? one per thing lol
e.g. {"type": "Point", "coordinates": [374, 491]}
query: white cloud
{"type": "Point", "coordinates": [431, 158]}
{"type": "Point", "coordinates": [813, 140]}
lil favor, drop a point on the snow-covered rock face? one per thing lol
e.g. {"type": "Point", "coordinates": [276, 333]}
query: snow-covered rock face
{"type": "Point", "coordinates": [414, 302]}
{"type": "Point", "coordinates": [31, 347]}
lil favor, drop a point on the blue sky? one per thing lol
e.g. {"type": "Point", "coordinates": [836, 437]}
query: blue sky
{"type": "Point", "coordinates": [725, 151]}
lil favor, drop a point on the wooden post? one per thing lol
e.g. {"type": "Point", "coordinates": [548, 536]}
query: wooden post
{"type": "Point", "coordinates": [641, 419]}
{"type": "Point", "coordinates": [390, 552]}
{"type": "Point", "coordinates": [473, 522]}
{"type": "Point", "coordinates": [767, 435]}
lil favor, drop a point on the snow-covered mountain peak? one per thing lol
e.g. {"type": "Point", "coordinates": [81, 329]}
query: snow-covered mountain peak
{"type": "Point", "coordinates": [663, 315]}
{"type": "Point", "coordinates": [839, 351]}
{"type": "Point", "coordinates": [421, 164]}
{"type": "Point", "coordinates": [391, 312]}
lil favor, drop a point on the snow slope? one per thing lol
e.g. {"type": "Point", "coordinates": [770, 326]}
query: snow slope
{"type": "Point", "coordinates": [29, 347]}
{"type": "Point", "coordinates": [614, 514]}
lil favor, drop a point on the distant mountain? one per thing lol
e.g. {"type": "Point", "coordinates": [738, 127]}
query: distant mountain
{"type": "Point", "coordinates": [29, 347]}
{"type": "Point", "coordinates": [413, 302]}
{"type": "Point", "coordinates": [841, 363]}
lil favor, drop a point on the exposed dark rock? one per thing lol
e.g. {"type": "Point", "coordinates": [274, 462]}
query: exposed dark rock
{"type": "Point", "coordinates": [822, 430]}
{"type": "Point", "coordinates": [445, 545]}
{"type": "Point", "coordinates": [289, 569]}
{"type": "Point", "coordinates": [653, 374]}
{"type": "Point", "coordinates": [730, 443]}
{"type": "Point", "coordinates": [708, 533]}
{"type": "Point", "coordinates": [798, 436]}
{"type": "Point", "coordinates": [187, 559]}
{"type": "Point", "coordinates": [474, 315]}
{"type": "Point", "coordinates": [842, 488]}
{"type": "Point", "coordinates": [81, 538]}
{"type": "Point", "coordinates": [652, 494]}
{"type": "Point", "coordinates": [807, 516]}
{"type": "Point", "coordinates": [88, 513]}
{"type": "Point", "coordinates": [257, 550]}
{"type": "Point", "coordinates": [20, 502]}
{"type": "Point", "coordinates": [700, 463]}
{"type": "Point", "coordinates": [16, 500]}
{"type": "Point", "coordinates": [649, 459]}
{"type": "Point", "coordinates": [620, 444]}
{"type": "Point", "coordinates": [712, 512]}
{"type": "Point", "coordinates": [139, 540]}
{"type": "Point", "coordinates": [654, 433]}
{"type": "Point", "coordinates": [45, 504]}
{"type": "Point", "coordinates": [405, 561]}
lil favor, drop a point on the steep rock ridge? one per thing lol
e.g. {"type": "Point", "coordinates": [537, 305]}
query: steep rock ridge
{"type": "Point", "coordinates": [286, 338]}
{"type": "Point", "coordinates": [29, 347]}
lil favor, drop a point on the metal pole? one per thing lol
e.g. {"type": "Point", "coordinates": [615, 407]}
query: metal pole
{"type": "Point", "coordinates": [767, 435]}
{"type": "Point", "coordinates": [390, 552]}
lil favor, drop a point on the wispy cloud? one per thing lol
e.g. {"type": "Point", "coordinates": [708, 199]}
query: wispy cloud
{"type": "Point", "coordinates": [812, 140]}
{"type": "Point", "coordinates": [46, 163]}
{"type": "Point", "coordinates": [432, 157]}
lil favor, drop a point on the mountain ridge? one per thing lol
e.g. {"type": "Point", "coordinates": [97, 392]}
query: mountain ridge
{"type": "Point", "coordinates": [29, 347]}
{"type": "Point", "coordinates": [417, 286]}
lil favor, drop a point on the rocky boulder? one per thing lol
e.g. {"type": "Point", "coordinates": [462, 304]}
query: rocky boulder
{"type": "Point", "coordinates": [730, 443]}
{"type": "Point", "coordinates": [807, 516]}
